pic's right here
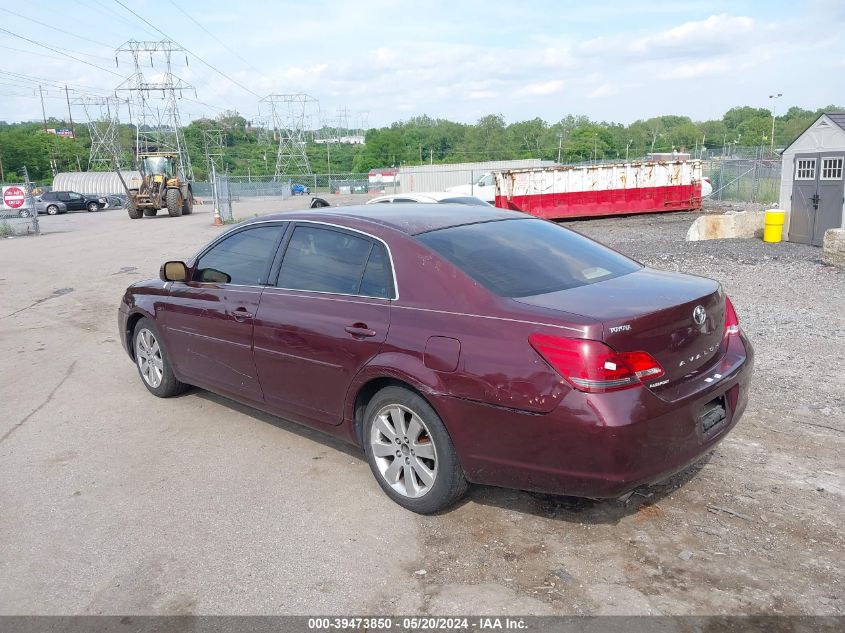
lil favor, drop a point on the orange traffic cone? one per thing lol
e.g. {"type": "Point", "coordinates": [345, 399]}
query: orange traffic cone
{"type": "Point", "coordinates": [218, 221]}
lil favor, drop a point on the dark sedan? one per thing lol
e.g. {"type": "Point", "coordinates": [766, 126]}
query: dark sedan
{"type": "Point", "coordinates": [454, 344]}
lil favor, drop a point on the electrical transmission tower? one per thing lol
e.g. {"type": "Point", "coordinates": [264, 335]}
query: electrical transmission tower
{"type": "Point", "coordinates": [290, 114]}
{"type": "Point", "coordinates": [212, 142]}
{"type": "Point", "coordinates": [153, 99]}
{"type": "Point", "coordinates": [103, 120]}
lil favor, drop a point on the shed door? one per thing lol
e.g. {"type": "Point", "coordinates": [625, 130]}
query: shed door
{"type": "Point", "coordinates": [818, 195]}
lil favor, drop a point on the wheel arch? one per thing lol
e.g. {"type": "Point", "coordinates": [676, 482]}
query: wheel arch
{"type": "Point", "coordinates": [375, 377]}
{"type": "Point", "coordinates": [131, 322]}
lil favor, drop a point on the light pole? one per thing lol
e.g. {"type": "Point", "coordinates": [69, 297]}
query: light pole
{"type": "Point", "coordinates": [627, 145]}
{"type": "Point", "coordinates": [774, 99]}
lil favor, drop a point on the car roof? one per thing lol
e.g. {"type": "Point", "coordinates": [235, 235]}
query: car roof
{"type": "Point", "coordinates": [409, 217]}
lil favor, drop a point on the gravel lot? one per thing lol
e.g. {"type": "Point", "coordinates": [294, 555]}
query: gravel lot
{"type": "Point", "coordinates": [112, 501]}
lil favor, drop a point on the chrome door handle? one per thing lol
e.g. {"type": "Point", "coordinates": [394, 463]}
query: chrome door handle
{"type": "Point", "coordinates": [360, 330]}
{"type": "Point", "coordinates": [242, 314]}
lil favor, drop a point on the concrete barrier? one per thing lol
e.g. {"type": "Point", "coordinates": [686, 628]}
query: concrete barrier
{"type": "Point", "coordinates": [833, 247]}
{"type": "Point", "coordinates": [735, 224]}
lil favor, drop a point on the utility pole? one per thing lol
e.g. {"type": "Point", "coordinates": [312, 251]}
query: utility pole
{"type": "Point", "coordinates": [774, 99]}
{"type": "Point", "coordinates": [70, 116]}
{"type": "Point", "coordinates": [2, 176]}
{"type": "Point", "coordinates": [627, 145]}
{"type": "Point", "coordinates": [43, 111]}
{"type": "Point", "coordinates": [430, 155]}
{"type": "Point", "coordinates": [559, 146]}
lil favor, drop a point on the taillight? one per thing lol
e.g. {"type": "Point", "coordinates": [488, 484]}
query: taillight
{"type": "Point", "coordinates": [731, 319]}
{"type": "Point", "coordinates": [592, 366]}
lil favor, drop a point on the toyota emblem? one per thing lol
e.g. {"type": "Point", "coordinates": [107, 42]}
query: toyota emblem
{"type": "Point", "coordinates": [699, 315]}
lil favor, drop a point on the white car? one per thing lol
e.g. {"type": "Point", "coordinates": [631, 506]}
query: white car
{"type": "Point", "coordinates": [484, 188]}
{"type": "Point", "coordinates": [429, 197]}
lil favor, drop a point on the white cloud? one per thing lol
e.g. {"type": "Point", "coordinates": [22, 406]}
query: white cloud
{"type": "Point", "coordinates": [717, 30]}
{"type": "Point", "coordinates": [705, 68]}
{"type": "Point", "coordinates": [543, 89]}
{"type": "Point", "coordinates": [604, 90]}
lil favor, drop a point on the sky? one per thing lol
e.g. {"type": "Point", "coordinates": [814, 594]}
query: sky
{"type": "Point", "coordinates": [389, 60]}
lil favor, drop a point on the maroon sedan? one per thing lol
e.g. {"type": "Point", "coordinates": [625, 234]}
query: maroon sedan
{"type": "Point", "coordinates": [455, 344]}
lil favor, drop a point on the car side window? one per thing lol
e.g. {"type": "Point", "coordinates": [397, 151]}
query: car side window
{"type": "Point", "coordinates": [75, 196]}
{"type": "Point", "coordinates": [63, 196]}
{"type": "Point", "coordinates": [48, 195]}
{"type": "Point", "coordinates": [378, 275]}
{"type": "Point", "coordinates": [242, 258]}
{"type": "Point", "coordinates": [327, 260]}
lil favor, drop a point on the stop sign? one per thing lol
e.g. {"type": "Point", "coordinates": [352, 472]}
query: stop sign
{"type": "Point", "coordinates": [13, 197]}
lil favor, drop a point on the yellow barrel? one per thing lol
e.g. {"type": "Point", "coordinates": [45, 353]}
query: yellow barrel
{"type": "Point", "coordinates": [773, 229]}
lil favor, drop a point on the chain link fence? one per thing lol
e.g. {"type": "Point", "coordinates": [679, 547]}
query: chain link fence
{"type": "Point", "coordinates": [743, 174]}
{"type": "Point", "coordinates": [745, 180]}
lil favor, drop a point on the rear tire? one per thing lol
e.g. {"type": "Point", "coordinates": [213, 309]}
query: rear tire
{"type": "Point", "coordinates": [52, 210]}
{"type": "Point", "coordinates": [24, 213]}
{"type": "Point", "coordinates": [134, 212]}
{"type": "Point", "coordinates": [150, 213]}
{"type": "Point", "coordinates": [153, 363]}
{"type": "Point", "coordinates": [93, 206]}
{"type": "Point", "coordinates": [174, 203]}
{"type": "Point", "coordinates": [188, 204]}
{"type": "Point", "coordinates": [410, 452]}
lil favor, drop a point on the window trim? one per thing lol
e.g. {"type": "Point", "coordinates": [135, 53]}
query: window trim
{"type": "Point", "coordinates": [798, 168]}
{"type": "Point", "coordinates": [840, 167]}
{"type": "Point", "coordinates": [295, 223]}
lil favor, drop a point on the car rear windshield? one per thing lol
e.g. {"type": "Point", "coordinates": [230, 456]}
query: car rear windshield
{"type": "Point", "coordinates": [520, 258]}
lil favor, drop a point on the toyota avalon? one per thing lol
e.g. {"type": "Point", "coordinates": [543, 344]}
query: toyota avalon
{"type": "Point", "coordinates": [454, 344]}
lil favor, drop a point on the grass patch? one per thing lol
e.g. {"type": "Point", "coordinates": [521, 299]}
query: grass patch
{"type": "Point", "coordinates": [5, 229]}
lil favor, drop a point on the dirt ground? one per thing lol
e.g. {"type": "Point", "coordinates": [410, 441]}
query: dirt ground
{"type": "Point", "coordinates": [113, 501]}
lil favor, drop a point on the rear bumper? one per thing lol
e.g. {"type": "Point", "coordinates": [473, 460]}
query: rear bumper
{"type": "Point", "coordinates": [593, 445]}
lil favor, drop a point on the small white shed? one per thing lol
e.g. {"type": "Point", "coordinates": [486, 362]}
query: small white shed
{"type": "Point", "coordinates": [812, 182]}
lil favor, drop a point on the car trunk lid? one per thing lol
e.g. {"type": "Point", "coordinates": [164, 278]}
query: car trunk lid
{"type": "Point", "coordinates": [651, 311]}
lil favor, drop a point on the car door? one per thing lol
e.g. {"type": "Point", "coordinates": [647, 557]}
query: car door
{"type": "Point", "coordinates": [326, 317]}
{"type": "Point", "coordinates": [64, 196]}
{"type": "Point", "coordinates": [209, 320]}
{"type": "Point", "coordinates": [75, 201]}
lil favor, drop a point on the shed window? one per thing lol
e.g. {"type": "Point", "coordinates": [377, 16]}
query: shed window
{"type": "Point", "coordinates": [805, 169]}
{"type": "Point", "coordinates": [831, 169]}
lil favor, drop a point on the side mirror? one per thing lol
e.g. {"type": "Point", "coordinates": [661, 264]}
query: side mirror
{"type": "Point", "coordinates": [174, 271]}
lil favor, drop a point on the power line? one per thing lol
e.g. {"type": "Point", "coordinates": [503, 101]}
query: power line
{"type": "Point", "coordinates": [56, 50]}
{"type": "Point", "coordinates": [214, 37]}
{"type": "Point", "coordinates": [113, 13]}
{"type": "Point", "coordinates": [49, 26]}
{"type": "Point", "coordinates": [22, 50]}
{"type": "Point", "coordinates": [43, 80]}
{"type": "Point", "coordinates": [187, 50]}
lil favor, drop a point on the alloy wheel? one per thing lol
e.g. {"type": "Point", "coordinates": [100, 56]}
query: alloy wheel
{"type": "Point", "coordinates": [148, 356]}
{"type": "Point", "coordinates": [403, 450]}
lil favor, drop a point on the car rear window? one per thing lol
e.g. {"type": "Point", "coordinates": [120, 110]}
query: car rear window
{"type": "Point", "coordinates": [520, 258]}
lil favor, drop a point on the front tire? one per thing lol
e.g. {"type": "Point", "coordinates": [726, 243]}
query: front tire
{"type": "Point", "coordinates": [93, 206]}
{"type": "Point", "coordinates": [150, 213]}
{"type": "Point", "coordinates": [410, 452]}
{"type": "Point", "coordinates": [52, 210]}
{"type": "Point", "coordinates": [132, 209]}
{"type": "Point", "coordinates": [174, 203]}
{"type": "Point", "coordinates": [24, 213]}
{"type": "Point", "coordinates": [153, 363]}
